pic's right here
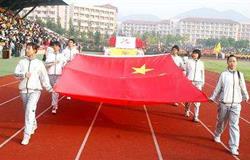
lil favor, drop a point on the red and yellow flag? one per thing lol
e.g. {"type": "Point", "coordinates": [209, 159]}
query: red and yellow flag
{"type": "Point", "coordinates": [127, 80]}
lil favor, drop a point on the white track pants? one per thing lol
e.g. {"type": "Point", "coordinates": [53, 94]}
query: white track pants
{"type": "Point", "coordinates": [30, 104]}
{"type": "Point", "coordinates": [231, 115]}
{"type": "Point", "coordinates": [55, 96]}
{"type": "Point", "coordinates": [196, 104]}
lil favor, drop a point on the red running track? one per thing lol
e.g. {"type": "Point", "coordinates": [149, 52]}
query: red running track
{"type": "Point", "coordinates": [116, 133]}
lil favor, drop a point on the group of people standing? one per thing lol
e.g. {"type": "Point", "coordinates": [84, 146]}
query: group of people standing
{"type": "Point", "coordinates": [35, 74]}
{"type": "Point", "coordinates": [230, 91]}
{"type": "Point", "coordinates": [195, 72]}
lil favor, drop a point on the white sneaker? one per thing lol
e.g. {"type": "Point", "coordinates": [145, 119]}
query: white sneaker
{"type": "Point", "coordinates": [234, 152]}
{"type": "Point", "coordinates": [53, 111]}
{"type": "Point", "coordinates": [217, 139]}
{"type": "Point", "coordinates": [54, 108]}
{"type": "Point", "coordinates": [26, 139]}
{"type": "Point", "coordinates": [196, 120]}
{"type": "Point", "coordinates": [187, 114]}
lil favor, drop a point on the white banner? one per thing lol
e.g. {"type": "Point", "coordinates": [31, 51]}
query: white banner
{"type": "Point", "coordinates": [125, 42]}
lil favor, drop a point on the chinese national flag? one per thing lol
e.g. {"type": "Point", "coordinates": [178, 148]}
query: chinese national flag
{"type": "Point", "coordinates": [127, 80]}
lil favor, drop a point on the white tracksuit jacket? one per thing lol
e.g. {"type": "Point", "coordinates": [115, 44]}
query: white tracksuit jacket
{"type": "Point", "coordinates": [55, 69]}
{"type": "Point", "coordinates": [69, 53]}
{"type": "Point", "coordinates": [195, 71]}
{"type": "Point", "coordinates": [39, 76]}
{"type": "Point", "coordinates": [178, 61]}
{"type": "Point", "coordinates": [230, 88]}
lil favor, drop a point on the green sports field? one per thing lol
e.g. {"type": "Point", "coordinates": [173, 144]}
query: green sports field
{"type": "Point", "coordinates": [220, 65]}
{"type": "Point", "coordinates": [7, 66]}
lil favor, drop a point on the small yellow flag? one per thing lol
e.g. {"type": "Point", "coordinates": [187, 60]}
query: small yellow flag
{"type": "Point", "coordinates": [217, 48]}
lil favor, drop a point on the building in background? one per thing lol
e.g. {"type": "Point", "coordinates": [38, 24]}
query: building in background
{"type": "Point", "coordinates": [244, 32]}
{"type": "Point", "coordinates": [44, 13]}
{"type": "Point", "coordinates": [133, 27]}
{"type": "Point", "coordinates": [191, 28]}
{"type": "Point", "coordinates": [102, 18]}
{"type": "Point", "coordinates": [204, 28]}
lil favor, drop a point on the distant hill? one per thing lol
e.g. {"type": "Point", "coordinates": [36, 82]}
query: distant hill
{"type": "Point", "coordinates": [212, 13]}
{"type": "Point", "coordinates": [142, 17]}
{"type": "Point", "coordinates": [200, 12]}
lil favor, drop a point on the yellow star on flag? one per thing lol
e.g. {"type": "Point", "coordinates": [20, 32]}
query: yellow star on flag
{"type": "Point", "coordinates": [142, 70]}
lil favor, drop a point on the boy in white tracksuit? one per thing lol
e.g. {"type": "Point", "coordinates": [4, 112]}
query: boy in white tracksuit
{"type": "Point", "coordinates": [195, 72]}
{"type": "Point", "coordinates": [177, 60]}
{"type": "Point", "coordinates": [55, 62]}
{"type": "Point", "coordinates": [231, 91]}
{"type": "Point", "coordinates": [70, 51]}
{"type": "Point", "coordinates": [33, 75]}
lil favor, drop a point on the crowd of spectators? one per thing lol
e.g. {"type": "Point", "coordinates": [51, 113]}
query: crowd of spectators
{"type": "Point", "coordinates": [16, 32]}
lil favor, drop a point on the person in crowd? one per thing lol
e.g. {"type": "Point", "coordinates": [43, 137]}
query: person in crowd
{"type": "Point", "coordinates": [230, 91]}
{"type": "Point", "coordinates": [195, 72]}
{"type": "Point", "coordinates": [33, 74]}
{"type": "Point", "coordinates": [55, 62]}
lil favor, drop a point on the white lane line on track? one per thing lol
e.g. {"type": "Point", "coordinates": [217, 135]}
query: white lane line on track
{"type": "Point", "coordinates": [157, 147]}
{"type": "Point", "coordinates": [78, 156]}
{"type": "Point", "coordinates": [203, 124]}
{"type": "Point", "coordinates": [217, 104]}
{"type": "Point", "coordinates": [245, 120]}
{"type": "Point", "coordinates": [9, 100]}
{"type": "Point", "coordinates": [8, 84]}
{"type": "Point", "coordinates": [20, 130]}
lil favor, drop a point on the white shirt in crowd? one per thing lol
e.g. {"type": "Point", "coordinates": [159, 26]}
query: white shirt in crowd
{"type": "Point", "coordinates": [55, 69]}
{"type": "Point", "coordinates": [70, 53]}
{"type": "Point", "coordinates": [195, 71]}
{"type": "Point", "coordinates": [38, 78]}
{"type": "Point", "coordinates": [231, 88]}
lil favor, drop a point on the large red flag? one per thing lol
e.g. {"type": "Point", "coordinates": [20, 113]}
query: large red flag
{"type": "Point", "coordinates": [127, 80]}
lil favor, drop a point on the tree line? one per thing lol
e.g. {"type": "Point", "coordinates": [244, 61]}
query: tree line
{"type": "Point", "coordinates": [95, 40]}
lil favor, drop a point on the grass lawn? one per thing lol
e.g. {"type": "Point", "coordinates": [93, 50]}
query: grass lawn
{"type": "Point", "coordinates": [7, 66]}
{"type": "Point", "coordinates": [220, 65]}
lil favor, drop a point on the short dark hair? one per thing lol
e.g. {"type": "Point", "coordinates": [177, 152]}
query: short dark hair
{"type": "Point", "coordinates": [197, 51]}
{"type": "Point", "coordinates": [56, 43]}
{"type": "Point", "coordinates": [33, 45]}
{"type": "Point", "coordinates": [71, 40]}
{"type": "Point", "coordinates": [231, 55]}
{"type": "Point", "coordinates": [176, 47]}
